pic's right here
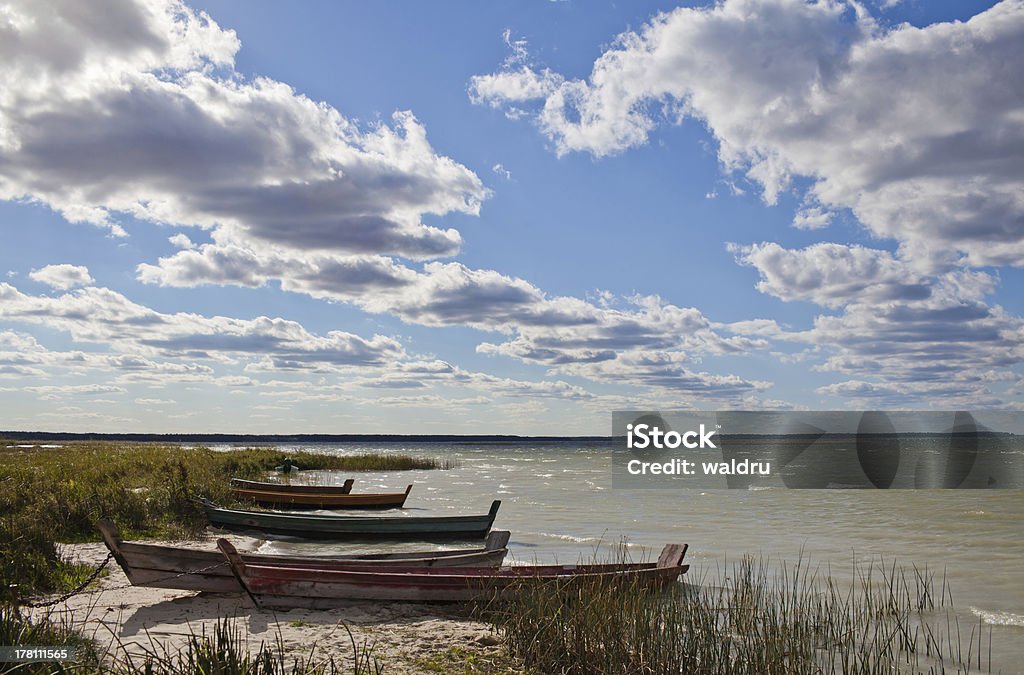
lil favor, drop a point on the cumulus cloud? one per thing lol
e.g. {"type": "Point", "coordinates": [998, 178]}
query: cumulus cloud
{"type": "Point", "coordinates": [62, 277]}
{"type": "Point", "coordinates": [552, 331]}
{"type": "Point", "coordinates": [100, 315]}
{"type": "Point", "coordinates": [141, 113]}
{"type": "Point", "coordinates": [904, 337]}
{"type": "Point", "coordinates": [939, 340]}
{"type": "Point", "coordinates": [833, 275]}
{"type": "Point", "coordinates": [917, 130]}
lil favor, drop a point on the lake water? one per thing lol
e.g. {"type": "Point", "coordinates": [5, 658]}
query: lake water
{"type": "Point", "coordinates": [558, 502]}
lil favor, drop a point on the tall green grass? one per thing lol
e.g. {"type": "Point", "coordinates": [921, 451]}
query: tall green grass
{"type": "Point", "coordinates": [57, 494]}
{"type": "Point", "coordinates": [16, 629]}
{"type": "Point", "coordinates": [751, 619]}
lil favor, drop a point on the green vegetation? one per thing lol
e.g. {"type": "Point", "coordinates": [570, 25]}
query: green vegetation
{"type": "Point", "coordinates": [465, 662]}
{"type": "Point", "coordinates": [752, 620]}
{"type": "Point", "coordinates": [17, 629]}
{"type": "Point", "coordinates": [50, 495]}
{"type": "Point", "coordinates": [57, 494]}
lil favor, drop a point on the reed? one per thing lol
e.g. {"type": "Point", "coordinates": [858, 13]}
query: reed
{"type": "Point", "coordinates": [225, 651]}
{"type": "Point", "coordinates": [222, 651]}
{"type": "Point", "coordinates": [752, 618]}
{"type": "Point", "coordinates": [46, 631]}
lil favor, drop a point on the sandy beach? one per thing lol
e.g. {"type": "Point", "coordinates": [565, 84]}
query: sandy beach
{"type": "Point", "coordinates": [404, 637]}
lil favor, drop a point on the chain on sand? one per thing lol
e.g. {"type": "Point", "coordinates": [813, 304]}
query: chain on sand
{"type": "Point", "coordinates": [75, 591]}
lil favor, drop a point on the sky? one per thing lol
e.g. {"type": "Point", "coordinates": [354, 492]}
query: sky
{"type": "Point", "coordinates": [505, 217]}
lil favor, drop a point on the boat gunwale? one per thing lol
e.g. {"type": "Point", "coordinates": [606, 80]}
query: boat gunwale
{"type": "Point", "coordinates": [345, 488]}
{"type": "Point", "coordinates": [335, 518]}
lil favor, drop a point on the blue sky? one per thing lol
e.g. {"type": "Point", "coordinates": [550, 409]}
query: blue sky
{"type": "Point", "coordinates": [505, 217]}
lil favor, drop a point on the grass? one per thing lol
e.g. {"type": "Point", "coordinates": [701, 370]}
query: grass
{"type": "Point", "coordinates": [465, 662]}
{"type": "Point", "coordinates": [17, 629]}
{"type": "Point", "coordinates": [57, 494]}
{"type": "Point", "coordinates": [223, 651]}
{"type": "Point", "coordinates": [750, 620]}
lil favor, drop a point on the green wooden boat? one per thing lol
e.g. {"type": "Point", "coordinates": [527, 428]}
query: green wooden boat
{"type": "Point", "coordinates": [322, 526]}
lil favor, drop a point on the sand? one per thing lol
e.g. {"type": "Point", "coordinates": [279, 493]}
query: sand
{"type": "Point", "coordinates": [402, 637]}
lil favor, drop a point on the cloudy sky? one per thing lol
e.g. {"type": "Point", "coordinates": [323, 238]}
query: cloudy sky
{"type": "Point", "coordinates": [505, 217]}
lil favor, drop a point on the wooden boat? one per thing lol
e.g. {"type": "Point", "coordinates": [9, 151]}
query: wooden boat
{"type": "Point", "coordinates": [318, 588]}
{"type": "Point", "coordinates": [323, 500]}
{"type": "Point", "coordinates": [207, 570]}
{"type": "Point", "coordinates": [328, 526]}
{"type": "Point", "coordinates": [239, 483]}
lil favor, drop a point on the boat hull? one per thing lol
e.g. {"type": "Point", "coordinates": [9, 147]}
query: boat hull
{"type": "Point", "coordinates": [291, 488]}
{"type": "Point", "coordinates": [317, 526]}
{"type": "Point", "coordinates": [284, 588]}
{"type": "Point", "coordinates": [188, 569]}
{"type": "Point", "coordinates": [314, 500]}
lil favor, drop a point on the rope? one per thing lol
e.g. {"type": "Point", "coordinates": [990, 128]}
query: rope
{"type": "Point", "coordinates": [75, 591]}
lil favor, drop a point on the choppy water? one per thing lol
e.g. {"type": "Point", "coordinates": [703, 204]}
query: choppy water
{"type": "Point", "coordinates": [558, 502]}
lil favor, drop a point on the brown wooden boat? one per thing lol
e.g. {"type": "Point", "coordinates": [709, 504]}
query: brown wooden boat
{"type": "Point", "coordinates": [324, 500]}
{"type": "Point", "coordinates": [319, 587]}
{"type": "Point", "coordinates": [207, 570]}
{"type": "Point", "coordinates": [291, 487]}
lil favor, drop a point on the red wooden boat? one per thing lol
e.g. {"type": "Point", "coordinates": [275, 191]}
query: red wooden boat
{"type": "Point", "coordinates": [316, 588]}
{"type": "Point", "coordinates": [278, 486]}
{"type": "Point", "coordinates": [286, 499]}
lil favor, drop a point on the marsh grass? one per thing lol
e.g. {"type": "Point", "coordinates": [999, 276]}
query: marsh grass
{"type": "Point", "coordinates": [46, 631]}
{"type": "Point", "coordinates": [753, 618]}
{"type": "Point", "coordinates": [50, 495]}
{"type": "Point", "coordinates": [222, 651]}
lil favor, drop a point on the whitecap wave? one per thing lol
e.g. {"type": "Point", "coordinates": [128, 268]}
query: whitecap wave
{"type": "Point", "coordinates": [588, 540]}
{"type": "Point", "coordinates": [999, 618]}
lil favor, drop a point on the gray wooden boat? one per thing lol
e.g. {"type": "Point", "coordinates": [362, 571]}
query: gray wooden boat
{"type": "Point", "coordinates": [330, 526]}
{"type": "Point", "coordinates": [321, 588]}
{"type": "Point", "coordinates": [192, 569]}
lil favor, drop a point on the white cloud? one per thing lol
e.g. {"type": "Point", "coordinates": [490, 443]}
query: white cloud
{"type": "Point", "coordinates": [917, 130]}
{"type": "Point", "coordinates": [100, 315]}
{"type": "Point", "coordinates": [515, 86]}
{"type": "Point", "coordinates": [812, 218]}
{"type": "Point", "coordinates": [181, 240]}
{"type": "Point", "coordinates": [833, 274]}
{"type": "Point", "coordinates": [906, 338]}
{"type": "Point", "coordinates": [62, 277]}
{"type": "Point", "coordinates": [553, 331]}
{"type": "Point", "coordinates": [141, 113]}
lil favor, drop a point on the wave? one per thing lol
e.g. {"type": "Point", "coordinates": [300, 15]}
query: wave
{"type": "Point", "coordinates": [586, 540]}
{"type": "Point", "coordinates": [999, 618]}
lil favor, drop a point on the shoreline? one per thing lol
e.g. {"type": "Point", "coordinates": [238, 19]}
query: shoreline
{"type": "Point", "coordinates": [403, 637]}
